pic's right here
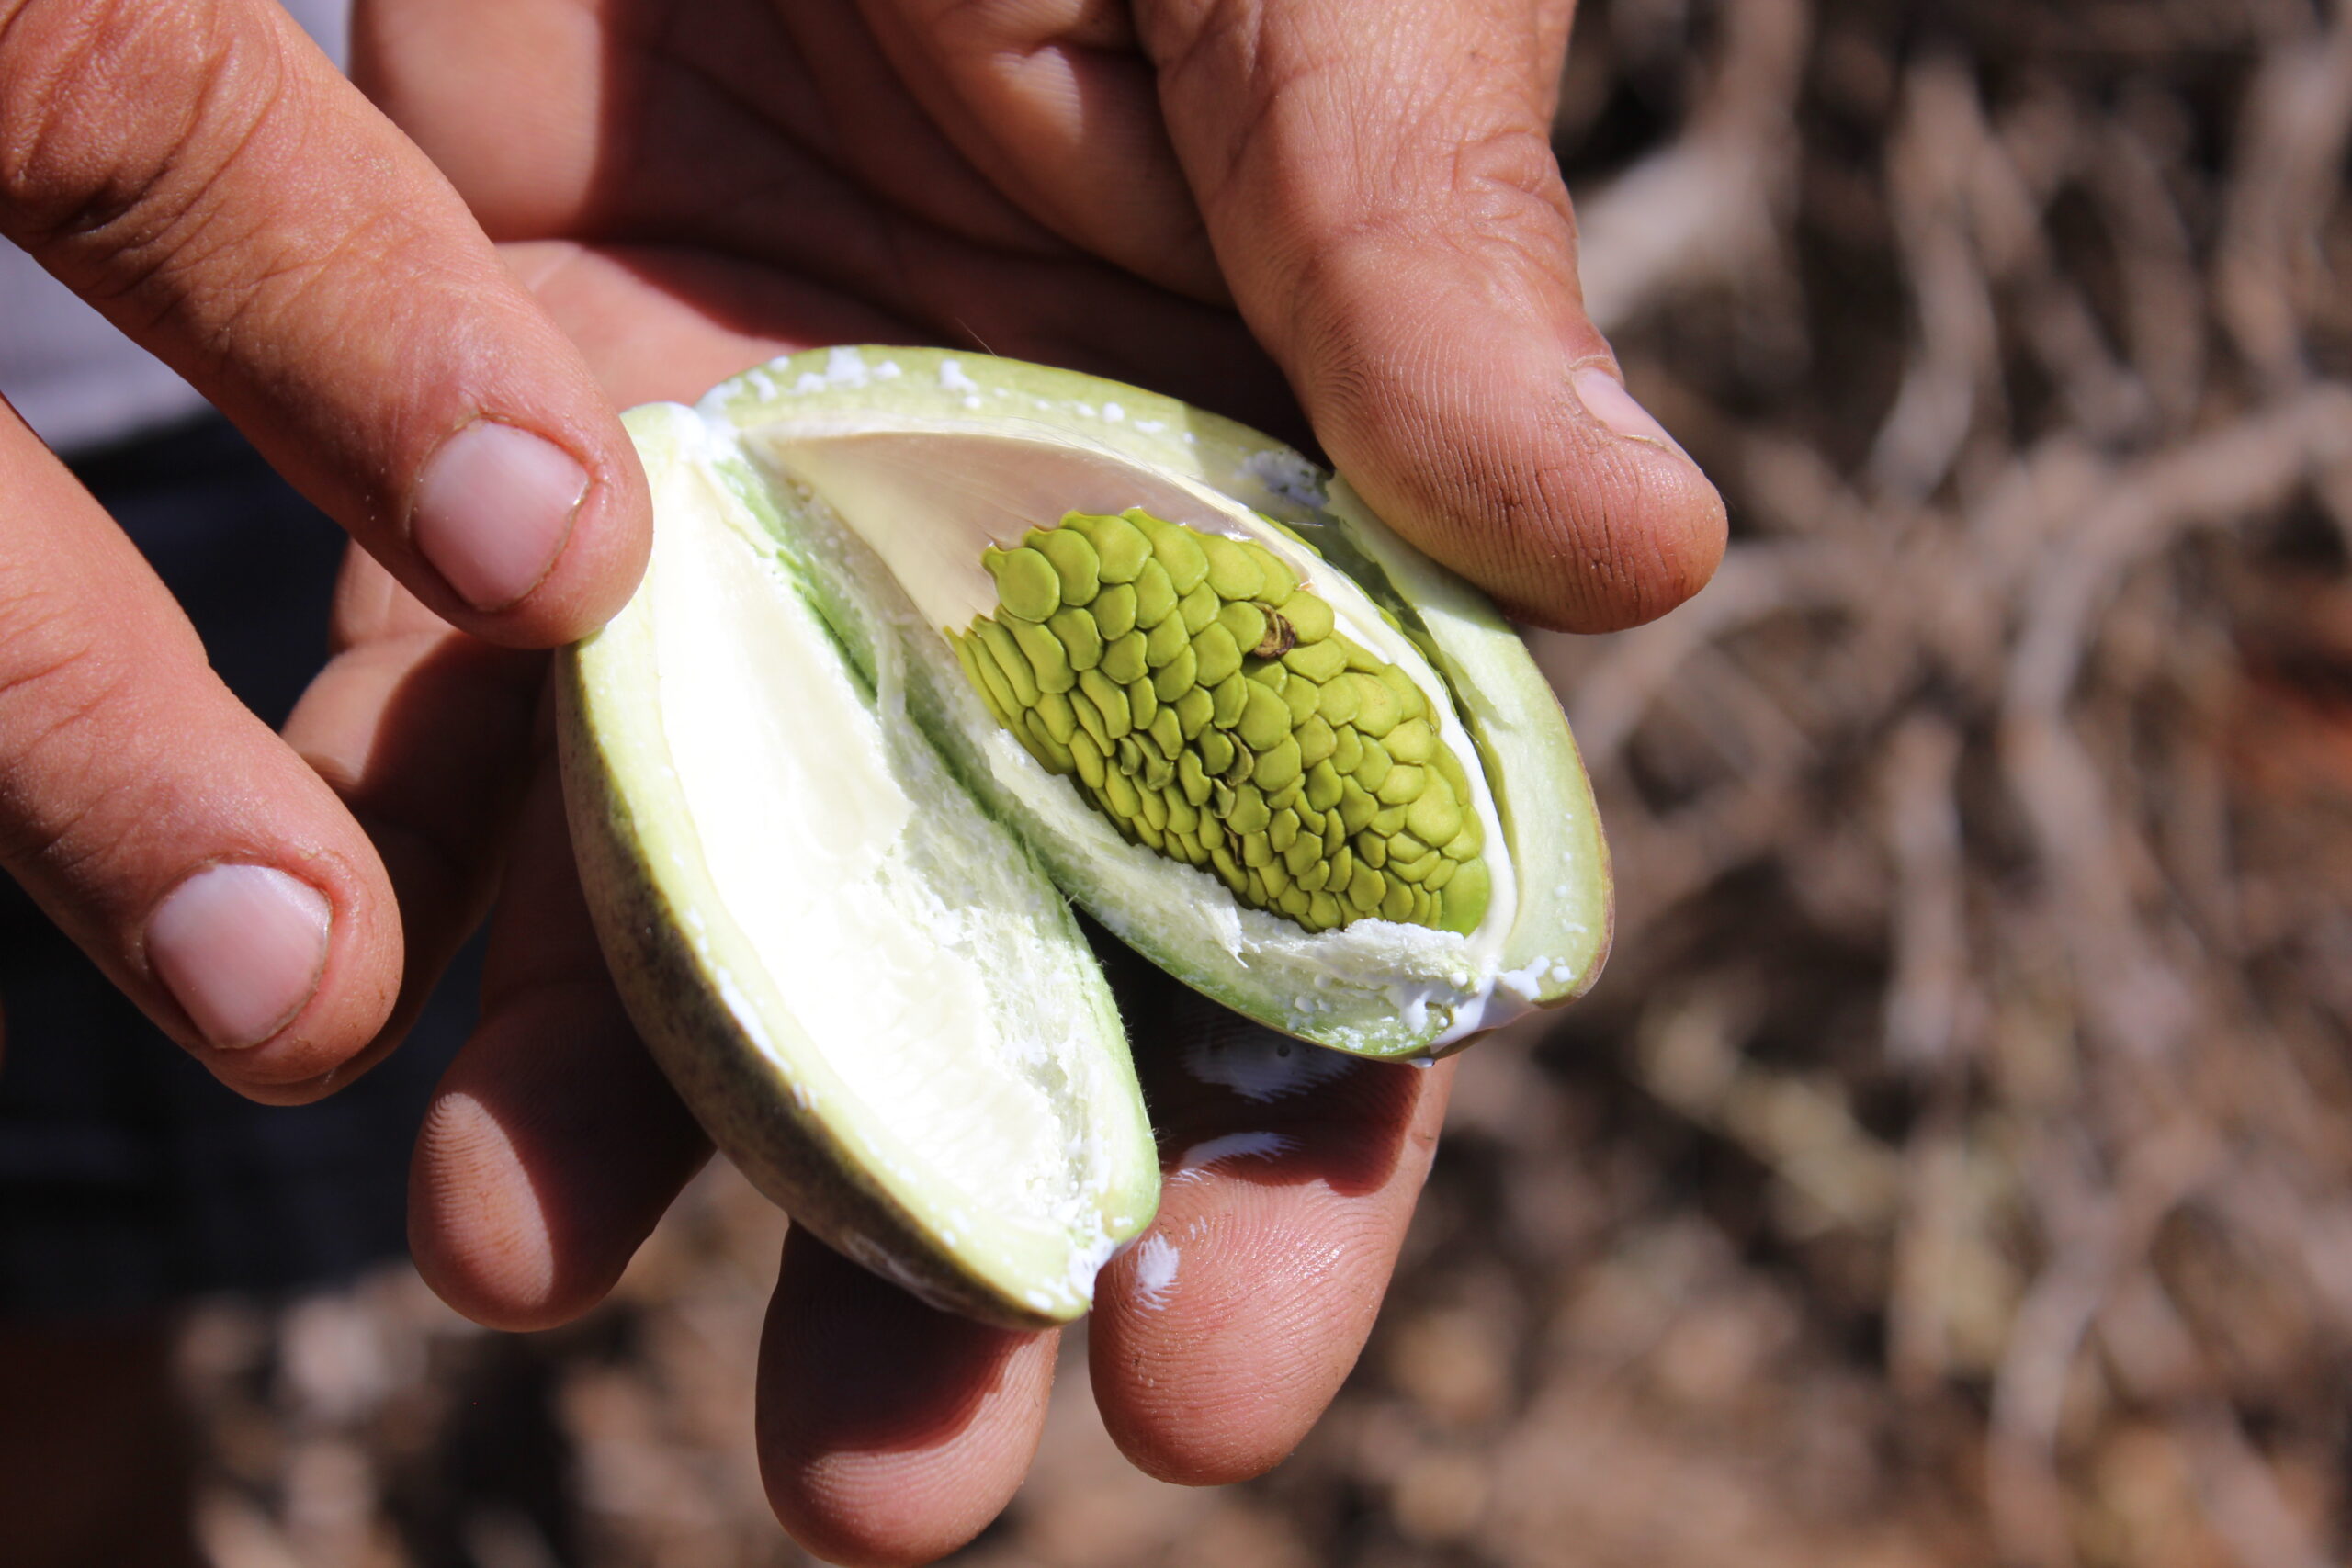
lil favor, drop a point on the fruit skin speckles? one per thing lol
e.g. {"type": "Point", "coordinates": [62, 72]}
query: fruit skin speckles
{"type": "Point", "coordinates": [1202, 700]}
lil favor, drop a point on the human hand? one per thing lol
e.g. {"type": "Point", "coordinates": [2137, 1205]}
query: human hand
{"type": "Point", "coordinates": [1149, 191]}
{"type": "Point", "coordinates": [1153, 194]}
{"type": "Point", "coordinates": [889, 1431]}
{"type": "Point", "coordinates": [202, 174]}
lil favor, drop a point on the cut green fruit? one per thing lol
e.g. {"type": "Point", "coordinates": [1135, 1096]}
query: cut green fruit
{"type": "Point", "coordinates": [918, 624]}
{"type": "Point", "coordinates": [905, 468]}
{"type": "Point", "coordinates": [862, 985]}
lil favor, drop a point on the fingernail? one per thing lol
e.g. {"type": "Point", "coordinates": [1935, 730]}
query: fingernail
{"type": "Point", "coordinates": [494, 509]}
{"type": "Point", "coordinates": [1605, 397]}
{"type": "Point", "coordinates": [241, 948]}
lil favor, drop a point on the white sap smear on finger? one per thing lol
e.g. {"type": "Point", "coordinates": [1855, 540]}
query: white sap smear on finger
{"type": "Point", "coordinates": [1263, 1066]}
{"type": "Point", "coordinates": [1200, 1158]}
{"type": "Point", "coordinates": [1155, 1260]}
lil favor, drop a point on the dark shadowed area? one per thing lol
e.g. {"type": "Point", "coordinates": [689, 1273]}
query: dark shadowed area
{"type": "Point", "coordinates": [1955, 1163]}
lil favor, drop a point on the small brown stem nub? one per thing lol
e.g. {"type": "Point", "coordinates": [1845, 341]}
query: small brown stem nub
{"type": "Point", "coordinates": [1280, 638]}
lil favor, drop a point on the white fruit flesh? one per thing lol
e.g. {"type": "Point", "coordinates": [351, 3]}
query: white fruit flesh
{"type": "Point", "coordinates": [875, 935]}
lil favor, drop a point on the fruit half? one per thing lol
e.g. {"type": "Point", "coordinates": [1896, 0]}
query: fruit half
{"type": "Point", "coordinates": [924, 636]}
{"type": "Point", "coordinates": [862, 985]}
{"type": "Point", "coordinates": [983, 516]}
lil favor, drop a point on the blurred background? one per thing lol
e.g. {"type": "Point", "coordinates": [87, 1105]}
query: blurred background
{"type": "Point", "coordinates": [1955, 1163]}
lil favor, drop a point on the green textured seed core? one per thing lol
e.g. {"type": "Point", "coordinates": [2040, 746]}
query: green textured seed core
{"type": "Point", "coordinates": [1200, 698]}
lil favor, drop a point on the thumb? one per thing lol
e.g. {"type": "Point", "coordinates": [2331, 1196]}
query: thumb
{"type": "Point", "coordinates": [1381, 192]}
{"type": "Point", "coordinates": [201, 174]}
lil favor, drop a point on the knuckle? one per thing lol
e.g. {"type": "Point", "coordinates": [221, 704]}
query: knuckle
{"type": "Point", "coordinates": [1491, 193]}
{"type": "Point", "coordinates": [1509, 179]}
{"type": "Point", "coordinates": [117, 117]}
{"type": "Point", "coordinates": [49, 713]}
{"type": "Point", "coordinates": [64, 741]}
{"type": "Point", "coordinates": [1173, 30]}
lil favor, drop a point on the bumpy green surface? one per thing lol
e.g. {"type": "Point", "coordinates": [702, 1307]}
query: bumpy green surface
{"type": "Point", "coordinates": [1201, 699]}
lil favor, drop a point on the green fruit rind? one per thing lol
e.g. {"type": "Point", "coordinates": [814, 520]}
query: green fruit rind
{"type": "Point", "coordinates": [769, 1054]}
{"type": "Point", "coordinates": [1561, 931]}
{"type": "Point", "coordinates": [1390, 995]}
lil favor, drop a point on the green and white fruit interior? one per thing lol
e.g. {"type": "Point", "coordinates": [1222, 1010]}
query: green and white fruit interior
{"type": "Point", "coordinates": [860, 981]}
{"type": "Point", "coordinates": [1262, 740]}
{"type": "Point", "coordinates": [927, 642]}
{"type": "Point", "coordinates": [1207, 703]}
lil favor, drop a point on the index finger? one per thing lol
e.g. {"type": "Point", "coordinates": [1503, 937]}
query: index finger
{"type": "Point", "coordinates": [202, 174]}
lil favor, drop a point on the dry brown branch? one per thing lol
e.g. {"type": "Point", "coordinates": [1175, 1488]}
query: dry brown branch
{"type": "Point", "coordinates": [2299, 116]}
{"type": "Point", "coordinates": [2160, 1363]}
{"type": "Point", "coordinates": [1927, 996]}
{"type": "Point", "coordinates": [1710, 210]}
{"type": "Point", "coordinates": [1929, 161]}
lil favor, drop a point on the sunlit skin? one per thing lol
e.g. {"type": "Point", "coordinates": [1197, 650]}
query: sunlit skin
{"type": "Point", "coordinates": [1338, 222]}
{"type": "Point", "coordinates": [692, 189]}
{"type": "Point", "coordinates": [190, 170]}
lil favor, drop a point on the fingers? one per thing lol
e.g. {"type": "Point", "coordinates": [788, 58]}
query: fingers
{"type": "Point", "coordinates": [1050, 100]}
{"type": "Point", "coordinates": [667, 321]}
{"type": "Point", "coordinates": [890, 1432]}
{"type": "Point", "coordinates": [552, 1144]}
{"type": "Point", "coordinates": [425, 733]}
{"type": "Point", "coordinates": [213, 876]}
{"type": "Point", "coordinates": [1381, 193]}
{"type": "Point", "coordinates": [672, 324]}
{"type": "Point", "coordinates": [1218, 1341]}
{"type": "Point", "coordinates": [200, 173]}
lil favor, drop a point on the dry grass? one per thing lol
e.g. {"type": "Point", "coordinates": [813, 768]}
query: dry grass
{"type": "Point", "coordinates": [1956, 1165]}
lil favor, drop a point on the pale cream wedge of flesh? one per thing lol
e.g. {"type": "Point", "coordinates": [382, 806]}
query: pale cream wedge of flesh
{"type": "Point", "coordinates": [861, 983]}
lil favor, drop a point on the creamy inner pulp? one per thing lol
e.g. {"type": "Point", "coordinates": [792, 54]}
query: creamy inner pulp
{"type": "Point", "coordinates": [816, 873]}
